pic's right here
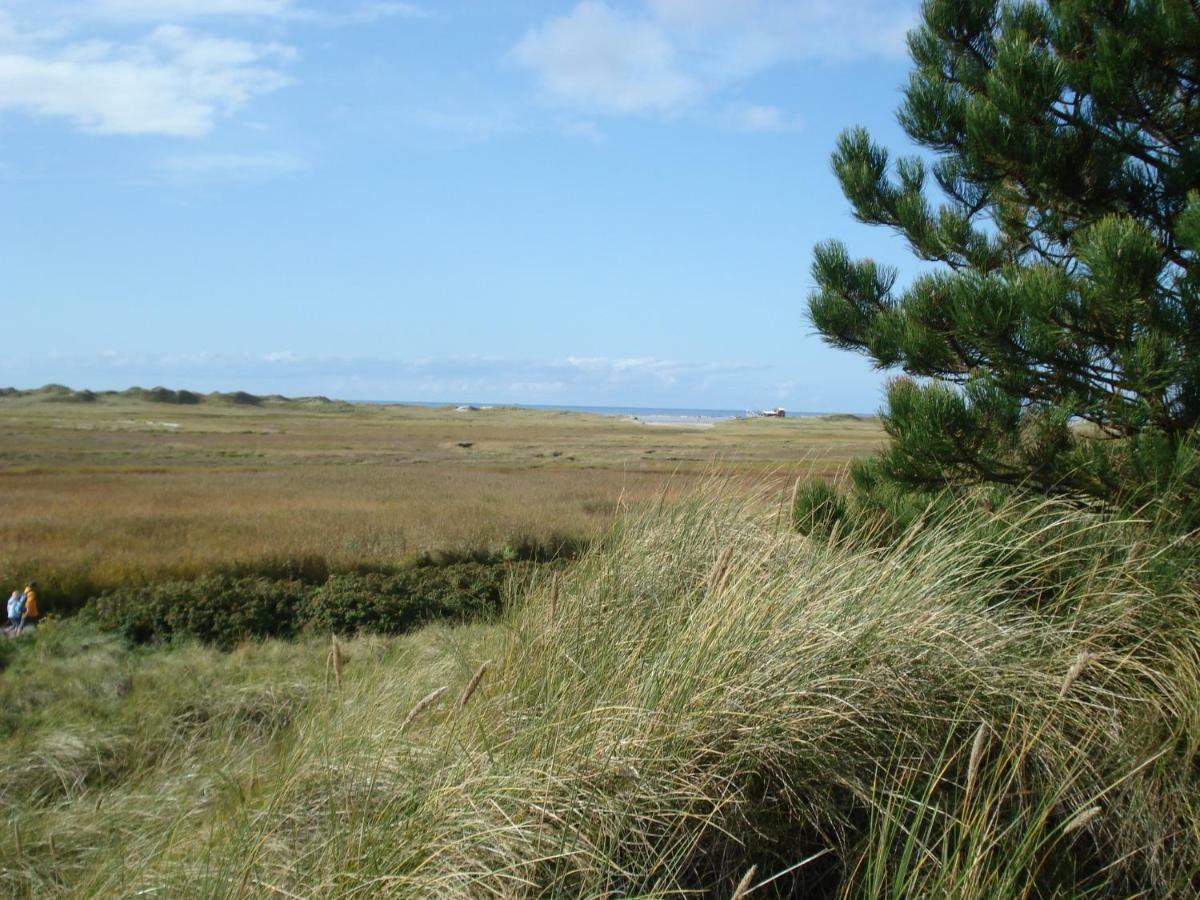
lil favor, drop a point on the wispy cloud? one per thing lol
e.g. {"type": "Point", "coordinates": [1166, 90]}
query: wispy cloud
{"type": "Point", "coordinates": [465, 124]}
{"type": "Point", "coordinates": [173, 81]}
{"type": "Point", "coordinates": [742, 37]}
{"type": "Point", "coordinates": [59, 59]}
{"type": "Point", "coordinates": [197, 166]}
{"type": "Point", "coordinates": [370, 12]}
{"type": "Point", "coordinates": [154, 10]}
{"type": "Point", "coordinates": [322, 12]}
{"type": "Point", "coordinates": [669, 56]}
{"type": "Point", "coordinates": [571, 379]}
{"type": "Point", "coordinates": [600, 58]}
{"type": "Point", "coordinates": [586, 130]}
{"type": "Point", "coordinates": [760, 117]}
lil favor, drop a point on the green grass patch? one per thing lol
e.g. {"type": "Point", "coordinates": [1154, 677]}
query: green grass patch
{"type": "Point", "coordinates": [972, 710]}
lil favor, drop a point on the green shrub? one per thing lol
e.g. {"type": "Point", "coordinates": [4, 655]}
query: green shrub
{"type": "Point", "coordinates": [394, 604]}
{"type": "Point", "coordinates": [216, 609]}
{"type": "Point", "coordinates": [817, 507]}
{"type": "Point", "coordinates": [226, 609]}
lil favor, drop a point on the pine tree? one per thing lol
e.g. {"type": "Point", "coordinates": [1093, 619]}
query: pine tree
{"type": "Point", "coordinates": [1056, 342]}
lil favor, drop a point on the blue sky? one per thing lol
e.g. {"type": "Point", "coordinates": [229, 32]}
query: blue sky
{"type": "Point", "coordinates": [564, 203]}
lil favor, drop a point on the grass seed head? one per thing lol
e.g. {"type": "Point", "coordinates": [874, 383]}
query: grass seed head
{"type": "Point", "coordinates": [1080, 819]}
{"type": "Point", "coordinates": [473, 684]}
{"type": "Point", "coordinates": [422, 704]}
{"type": "Point", "coordinates": [1081, 663]}
{"type": "Point", "coordinates": [335, 655]}
{"type": "Point", "coordinates": [333, 663]}
{"type": "Point", "coordinates": [719, 575]}
{"type": "Point", "coordinates": [977, 748]}
{"type": "Point", "coordinates": [743, 886]}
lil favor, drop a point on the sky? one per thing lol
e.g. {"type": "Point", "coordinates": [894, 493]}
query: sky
{"type": "Point", "coordinates": [588, 203]}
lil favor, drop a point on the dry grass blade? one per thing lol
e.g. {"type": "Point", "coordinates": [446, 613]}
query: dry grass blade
{"type": "Point", "coordinates": [554, 598]}
{"type": "Point", "coordinates": [743, 886]}
{"type": "Point", "coordinates": [473, 684]}
{"type": "Point", "coordinates": [335, 662]}
{"type": "Point", "coordinates": [422, 704]}
{"type": "Point", "coordinates": [720, 571]}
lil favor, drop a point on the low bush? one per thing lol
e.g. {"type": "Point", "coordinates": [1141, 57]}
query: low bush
{"type": "Point", "coordinates": [67, 588]}
{"type": "Point", "coordinates": [225, 609]}
{"type": "Point", "coordinates": [397, 603]}
{"type": "Point", "coordinates": [216, 609]}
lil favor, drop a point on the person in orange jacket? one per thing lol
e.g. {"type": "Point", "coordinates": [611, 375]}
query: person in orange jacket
{"type": "Point", "coordinates": [29, 618]}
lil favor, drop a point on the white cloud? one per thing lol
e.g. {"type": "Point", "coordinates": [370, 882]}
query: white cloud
{"type": "Point", "coordinates": [173, 81]}
{"type": "Point", "coordinates": [158, 11]}
{"type": "Point", "coordinates": [232, 165]}
{"type": "Point", "coordinates": [374, 12]}
{"type": "Point", "coordinates": [155, 10]}
{"type": "Point", "coordinates": [759, 117]}
{"type": "Point", "coordinates": [668, 56]}
{"type": "Point", "coordinates": [58, 59]}
{"type": "Point", "coordinates": [601, 58]}
{"type": "Point", "coordinates": [749, 35]}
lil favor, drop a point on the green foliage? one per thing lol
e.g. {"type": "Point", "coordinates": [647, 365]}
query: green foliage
{"type": "Point", "coordinates": [1064, 138]}
{"type": "Point", "coordinates": [135, 732]}
{"type": "Point", "coordinates": [703, 692]}
{"type": "Point", "coordinates": [225, 609]}
{"type": "Point", "coordinates": [395, 604]}
{"type": "Point", "coordinates": [817, 507]}
{"type": "Point", "coordinates": [217, 609]}
{"type": "Point", "coordinates": [163, 395]}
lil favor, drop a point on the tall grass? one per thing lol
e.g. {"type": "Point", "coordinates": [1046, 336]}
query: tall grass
{"type": "Point", "coordinates": [974, 711]}
{"type": "Point", "coordinates": [107, 494]}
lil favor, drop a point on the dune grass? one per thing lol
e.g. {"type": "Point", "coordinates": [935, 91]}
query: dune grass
{"type": "Point", "coordinates": [984, 709]}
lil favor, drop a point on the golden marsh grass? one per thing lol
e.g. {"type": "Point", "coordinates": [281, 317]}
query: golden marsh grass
{"type": "Point", "coordinates": [115, 491]}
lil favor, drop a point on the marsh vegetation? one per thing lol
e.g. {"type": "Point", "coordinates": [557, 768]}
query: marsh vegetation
{"type": "Point", "coordinates": [120, 491]}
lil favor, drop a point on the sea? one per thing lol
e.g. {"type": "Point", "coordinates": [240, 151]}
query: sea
{"type": "Point", "coordinates": [658, 415]}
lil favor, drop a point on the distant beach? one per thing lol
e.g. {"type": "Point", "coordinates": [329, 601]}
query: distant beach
{"type": "Point", "coordinates": [649, 415]}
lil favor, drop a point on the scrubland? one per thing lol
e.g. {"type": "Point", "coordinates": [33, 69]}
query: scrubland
{"type": "Point", "coordinates": [999, 700]}
{"type": "Point", "coordinates": [1001, 707]}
